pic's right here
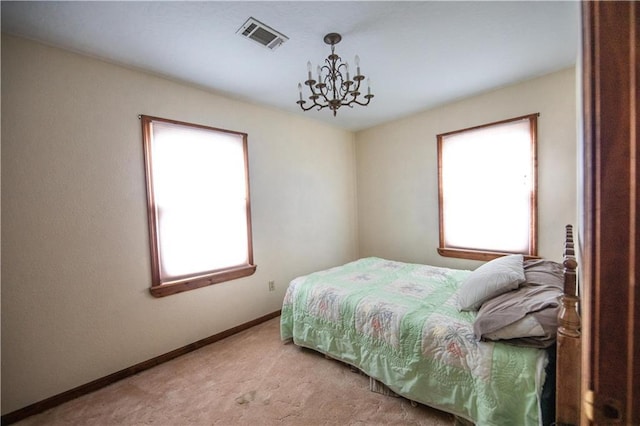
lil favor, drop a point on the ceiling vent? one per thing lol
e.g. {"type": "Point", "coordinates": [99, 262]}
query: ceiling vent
{"type": "Point", "coordinates": [260, 33]}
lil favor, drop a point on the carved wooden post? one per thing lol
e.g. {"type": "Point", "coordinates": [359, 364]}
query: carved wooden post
{"type": "Point", "coordinates": [568, 362]}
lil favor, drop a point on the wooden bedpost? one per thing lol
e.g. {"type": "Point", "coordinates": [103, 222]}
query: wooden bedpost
{"type": "Point", "coordinates": [568, 362]}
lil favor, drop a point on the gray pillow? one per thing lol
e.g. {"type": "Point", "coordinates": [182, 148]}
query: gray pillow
{"type": "Point", "coordinates": [490, 280]}
{"type": "Point", "coordinates": [527, 326]}
{"type": "Point", "coordinates": [536, 301]}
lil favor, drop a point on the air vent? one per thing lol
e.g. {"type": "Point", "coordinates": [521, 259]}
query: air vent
{"type": "Point", "coordinates": [260, 33]}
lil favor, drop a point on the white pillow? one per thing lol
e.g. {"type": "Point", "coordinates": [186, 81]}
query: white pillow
{"type": "Point", "coordinates": [490, 280]}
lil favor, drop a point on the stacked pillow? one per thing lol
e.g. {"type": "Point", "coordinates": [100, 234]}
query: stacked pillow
{"type": "Point", "coordinates": [490, 280]}
{"type": "Point", "coordinates": [517, 301]}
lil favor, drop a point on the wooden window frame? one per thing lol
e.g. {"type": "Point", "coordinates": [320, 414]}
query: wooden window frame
{"type": "Point", "coordinates": [160, 288]}
{"type": "Point", "coordinates": [484, 255]}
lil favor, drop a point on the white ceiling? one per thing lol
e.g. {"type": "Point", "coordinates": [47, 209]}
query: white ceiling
{"type": "Point", "coordinates": [418, 54]}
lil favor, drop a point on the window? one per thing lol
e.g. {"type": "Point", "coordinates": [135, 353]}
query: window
{"type": "Point", "coordinates": [487, 190]}
{"type": "Point", "coordinates": [198, 205]}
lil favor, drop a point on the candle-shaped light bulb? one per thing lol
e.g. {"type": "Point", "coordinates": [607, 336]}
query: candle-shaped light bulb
{"type": "Point", "coordinates": [368, 86]}
{"type": "Point", "coordinates": [346, 64]}
{"type": "Point", "coordinates": [319, 74]}
{"type": "Point", "coordinates": [357, 61]}
{"type": "Point", "coordinates": [300, 90]}
{"type": "Point", "coordinates": [309, 69]}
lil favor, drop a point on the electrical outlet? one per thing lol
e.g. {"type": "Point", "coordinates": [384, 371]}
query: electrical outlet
{"type": "Point", "coordinates": [272, 285]}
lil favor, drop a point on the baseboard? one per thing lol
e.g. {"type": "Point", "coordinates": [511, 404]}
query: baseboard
{"type": "Point", "coordinates": [81, 390]}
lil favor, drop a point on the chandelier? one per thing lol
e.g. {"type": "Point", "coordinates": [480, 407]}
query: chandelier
{"type": "Point", "coordinates": [334, 88]}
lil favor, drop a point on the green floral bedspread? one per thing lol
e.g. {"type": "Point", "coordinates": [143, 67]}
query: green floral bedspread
{"type": "Point", "coordinates": [399, 323]}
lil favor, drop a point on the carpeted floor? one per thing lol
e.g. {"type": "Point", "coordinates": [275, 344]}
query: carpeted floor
{"type": "Point", "coordinates": [251, 378]}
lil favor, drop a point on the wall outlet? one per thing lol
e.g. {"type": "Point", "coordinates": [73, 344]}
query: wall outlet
{"type": "Point", "coordinates": [272, 285]}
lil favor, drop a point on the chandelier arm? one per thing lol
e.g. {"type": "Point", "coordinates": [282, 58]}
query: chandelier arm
{"type": "Point", "coordinates": [355, 91]}
{"type": "Point", "coordinates": [335, 73]}
{"type": "Point", "coordinates": [313, 92]}
{"type": "Point", "coordinates": [313, 105]}
{"type": "Point", "coordinates": [314, 96]}
{"type": "Point", "coordinates": [345, 84]}
{"type": "Point", "coordinates": [305, 109]}
{"type": "Point", "coordinates": [363, 104]}
{"type": "Point", "coordinates": [339, 89]}
{"type": "Point", "coordinates": [327, 81]}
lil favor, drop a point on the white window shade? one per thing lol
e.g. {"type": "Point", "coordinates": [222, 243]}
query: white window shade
{"type": "Point", "coordinates": [487, 188]}
{"type": "Point", "coordinates": [200, 194]}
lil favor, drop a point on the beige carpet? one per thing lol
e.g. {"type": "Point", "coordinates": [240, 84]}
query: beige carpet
{"type": "Point", "coordinates": [251, 378]}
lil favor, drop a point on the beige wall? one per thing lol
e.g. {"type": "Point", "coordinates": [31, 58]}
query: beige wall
{"type": "Point", "coordinates": [398, 179]}
{"type": "Point", "coordinates": [75, 267]}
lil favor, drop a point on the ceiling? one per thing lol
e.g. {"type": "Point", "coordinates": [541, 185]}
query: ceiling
{"type": "Point", "coordinates": [418, 55]}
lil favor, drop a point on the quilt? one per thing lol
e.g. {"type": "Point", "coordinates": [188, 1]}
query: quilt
{"type": "Point", "coordinates": [400, 324]}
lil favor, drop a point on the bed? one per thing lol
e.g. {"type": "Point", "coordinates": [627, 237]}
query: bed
{"type": "Point", "coordinates": [478, 344]}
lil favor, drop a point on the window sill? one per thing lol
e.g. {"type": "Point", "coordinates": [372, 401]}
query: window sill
{"type": "Point", "coordinates": [202, 281]}
{"type": "Point", "coordinates": [477, 254]}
